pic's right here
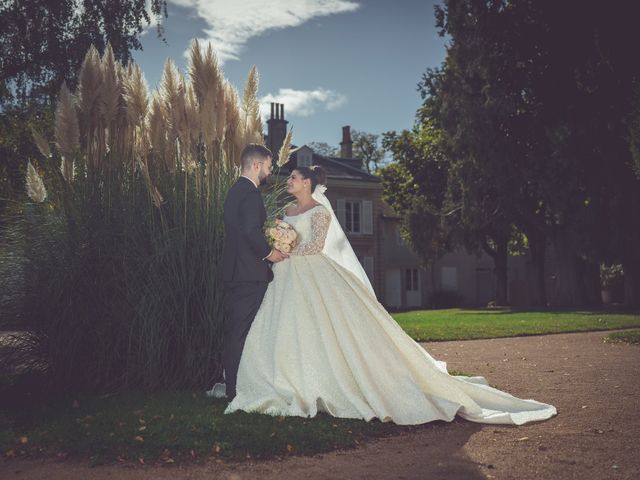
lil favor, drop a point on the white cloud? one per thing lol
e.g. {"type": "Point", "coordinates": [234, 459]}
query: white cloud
{"type": "Point", "coordinates": [303, 102]}
{"type": "Point", "coordinates": [232, 23]}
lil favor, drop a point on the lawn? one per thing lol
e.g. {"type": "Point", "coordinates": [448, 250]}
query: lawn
{"type": "Point", "coordinates": [169, 427]}
{"type": "Point", "coordinates": [462, 324]}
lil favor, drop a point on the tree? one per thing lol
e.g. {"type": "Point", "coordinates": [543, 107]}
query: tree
{"type": "Point", "coordinates": [43, 43]}
{"type": "Point", "coordinates": [539, 123]}
{"type": "Point", "coordinates": [324, 149]}
{"type": "Point", "coordinates": [366, 147]}
{"type": "Point", "coordinates": [416, 186]}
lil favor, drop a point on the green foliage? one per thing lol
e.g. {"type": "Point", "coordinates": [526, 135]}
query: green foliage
{"type": "Point", "coordinates": [117, 291]}
{"type": "Point", "coordinates": [416, 186]}
{"type": "Point", "coordinates": [43, 43]}
{"type": "Point", "coordinates": [113, 278]}
{"type": "Point", "coordinates": [611, 276]}
{"type": "Point", "coordinates": [366, 146]}
{"type": "Point", "coordinates": [538, 122]}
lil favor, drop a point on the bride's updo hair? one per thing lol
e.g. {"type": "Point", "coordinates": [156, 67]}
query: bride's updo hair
{"type": "Point", "coordinates": [315, 173]}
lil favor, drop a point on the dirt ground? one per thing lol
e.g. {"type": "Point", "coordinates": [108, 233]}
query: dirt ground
{"type": "Point", "coordinates": [596, 435]}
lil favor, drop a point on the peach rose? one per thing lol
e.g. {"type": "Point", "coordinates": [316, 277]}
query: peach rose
{"type": "Point", "coordinates": [284, 248]}
{"type": "Point", "coordinates": [291, 236]}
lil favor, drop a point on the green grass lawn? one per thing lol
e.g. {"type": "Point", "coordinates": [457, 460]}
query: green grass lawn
{"type": "Point", "coordinates": [461, 324]}
{"type": "Point", "coordinates": [169, 427]}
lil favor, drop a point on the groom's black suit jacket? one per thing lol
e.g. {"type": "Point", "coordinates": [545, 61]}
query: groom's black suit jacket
{"type": "Point", "coordinates": [245, 245]}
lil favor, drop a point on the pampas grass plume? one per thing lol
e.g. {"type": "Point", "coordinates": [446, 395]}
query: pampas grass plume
{"type": "Point", "coordinates": [35, 186]}
{"type": "Point", "coordinates": [285, 149]}
{"type": "Point", "coordinates": [41, 143]}
{"type": "Point", "coordinates": [67, 130]}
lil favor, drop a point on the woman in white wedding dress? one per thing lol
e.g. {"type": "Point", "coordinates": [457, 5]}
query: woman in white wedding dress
{"type": "Point", "coordinates": [322, 342]}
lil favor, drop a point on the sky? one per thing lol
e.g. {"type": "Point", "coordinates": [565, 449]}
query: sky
{"type": "Point", "coordinates": [330, 62]}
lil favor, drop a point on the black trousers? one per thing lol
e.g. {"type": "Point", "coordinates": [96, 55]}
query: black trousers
{"type": "Point", "coordinates": [242, 301]}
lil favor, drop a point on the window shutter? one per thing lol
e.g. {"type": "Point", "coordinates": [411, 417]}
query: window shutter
{"type": "Point", "coordinates": [340, 212]}
{"type": "Point", "coordinates": [368, 267]}
{"type": "Point", "coordinates": [367, 217]}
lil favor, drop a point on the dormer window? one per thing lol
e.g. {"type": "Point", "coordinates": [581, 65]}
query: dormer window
{"type": "Point", "coordinates": [305, 157]}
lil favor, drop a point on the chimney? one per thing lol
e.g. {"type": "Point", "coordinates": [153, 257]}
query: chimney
{"type": "Point", "coordinates": [276, 129]}
{"type": "Point", "coordinates": [346, 145]}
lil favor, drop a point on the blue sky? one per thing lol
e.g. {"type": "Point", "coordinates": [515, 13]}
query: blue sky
{"type": "Point", "coordinates": [331, 62]}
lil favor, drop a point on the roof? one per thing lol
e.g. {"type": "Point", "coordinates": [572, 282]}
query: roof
{"type": "Point", "coordinates": [335, 167]}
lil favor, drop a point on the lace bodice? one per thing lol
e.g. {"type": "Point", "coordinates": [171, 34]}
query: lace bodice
{"type": "Point", "coordinates": [311, 227]}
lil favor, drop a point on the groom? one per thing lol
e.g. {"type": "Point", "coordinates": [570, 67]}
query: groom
{"type": "Point", "coordinates": [246, 257]}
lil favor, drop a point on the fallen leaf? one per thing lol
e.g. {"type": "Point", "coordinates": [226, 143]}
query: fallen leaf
{"type": "Point", "coordinates": [217, 448]}
{"type": "Point", "coordinates": [142, 428]}
{"type": "Point", "coordinates": [24, 439]}
{"type": "Point", "coordinates": [522, 439]}
{"type": "Point", "coordinates": [141, 460]}
{"type": "Point", "coordinates": [289, 448]}
{"type": "Point", "coordinates": [10, 453]}
{"type": "Point", "coordinates": [138, 438]}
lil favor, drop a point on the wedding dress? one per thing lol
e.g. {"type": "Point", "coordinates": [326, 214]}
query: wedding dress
{"type": "Point", "coordinates": [322, 342]}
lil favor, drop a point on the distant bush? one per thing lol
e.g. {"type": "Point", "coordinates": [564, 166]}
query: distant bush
{"type": "Point", "coordinates": [445, 299]}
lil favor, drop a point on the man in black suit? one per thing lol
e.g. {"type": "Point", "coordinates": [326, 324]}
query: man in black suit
{"type": "Point", "coordinates": [246, 257]}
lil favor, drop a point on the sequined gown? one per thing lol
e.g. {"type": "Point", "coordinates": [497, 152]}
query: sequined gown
{"type": "Point", "coordinates": [322, 342]}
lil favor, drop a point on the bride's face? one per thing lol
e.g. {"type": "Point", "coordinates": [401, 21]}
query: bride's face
{"type": "Point", "coordinates": [297, 184]}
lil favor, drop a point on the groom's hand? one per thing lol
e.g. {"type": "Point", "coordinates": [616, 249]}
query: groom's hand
{"type": "Point", "coordinates": [276, 256]}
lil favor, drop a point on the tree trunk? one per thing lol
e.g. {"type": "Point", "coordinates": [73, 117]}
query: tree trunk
{"type": "Point", "coordinates": [536, 258]}
{"type": "Point", "coordinates": [589, 273]}
{"type": "Point", "coordinates": [631, 283]}
{"type": "Point", "coordinates": [567, 290]}
{"type": "Point", "coordinates": [500, 257]}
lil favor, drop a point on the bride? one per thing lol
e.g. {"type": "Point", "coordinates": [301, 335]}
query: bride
{"type": "Point", "coordinates": [322, 342]}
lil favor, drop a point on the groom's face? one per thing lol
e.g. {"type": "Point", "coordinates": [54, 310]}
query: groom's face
{"type": "Point", "coordinates": [265, 167]}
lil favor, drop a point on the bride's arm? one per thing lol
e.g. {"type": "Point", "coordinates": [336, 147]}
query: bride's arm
{"type": "Point", "coordinates": [319, 227]}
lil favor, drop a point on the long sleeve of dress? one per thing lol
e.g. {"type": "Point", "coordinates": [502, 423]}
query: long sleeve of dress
{"type": "Point", "coordinates": [320, 220]}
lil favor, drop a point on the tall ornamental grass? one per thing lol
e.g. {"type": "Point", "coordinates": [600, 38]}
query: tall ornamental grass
{"type": "Point", "coordinates": [111, 270]}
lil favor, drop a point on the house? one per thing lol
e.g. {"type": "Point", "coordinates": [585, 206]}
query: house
{"type": "Point", "coordinates": [373, 229]}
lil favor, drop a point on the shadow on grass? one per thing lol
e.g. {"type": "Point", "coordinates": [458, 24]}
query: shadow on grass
{"type": "Point", "coordinates": [167, 427]}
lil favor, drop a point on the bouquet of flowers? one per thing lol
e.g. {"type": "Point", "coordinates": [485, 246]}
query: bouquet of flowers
{"type": "Point", "coordinates": [281, 235]}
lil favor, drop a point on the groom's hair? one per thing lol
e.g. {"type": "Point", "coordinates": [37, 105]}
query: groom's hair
{"type": "Point", "coordinates": [250, 152]}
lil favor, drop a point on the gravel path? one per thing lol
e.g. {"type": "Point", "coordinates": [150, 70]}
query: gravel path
{"type": "Point", "coordinates": [596, 435]}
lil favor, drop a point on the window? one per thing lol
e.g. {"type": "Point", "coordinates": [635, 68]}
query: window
{"type": "Point", "coordinates": [411, 280]}
{"type": "Point", "coordinates": [352, 216]}
{"type": "Point", "coordinates": [355, 216]}
{"type": "Point", "coordinates": [449, 278]}
{"type": "Point", "coordinates": [304, 157]}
